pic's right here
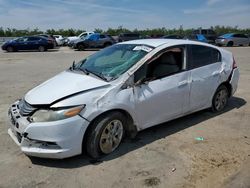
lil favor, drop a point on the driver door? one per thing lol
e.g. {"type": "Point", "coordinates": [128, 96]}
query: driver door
{"type": "Point", "coordinates": [163, 97]}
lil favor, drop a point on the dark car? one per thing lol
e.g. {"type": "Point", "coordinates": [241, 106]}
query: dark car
{"type": "Point", "coordinates": [49, 37]}
{"type": "Point", "coordinates": [95, 40]}
{"type": "Point", "coordinates": [172, 37]}
{"type": "Point", "coordinates": [209, 34]}
{"type": "Point", "coordinates": [128, 36]}
{"type": "Point", "coordinates": [28, 43]}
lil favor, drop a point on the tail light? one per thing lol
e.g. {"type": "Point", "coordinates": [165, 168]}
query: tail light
{"type": "Point", "coordinates": [50, 41]}
{"type": "Point", "coordinates": [234, 64]}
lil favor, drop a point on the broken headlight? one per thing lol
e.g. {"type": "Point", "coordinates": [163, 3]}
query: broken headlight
{"type": "Point", "coordinates": [56, 114]}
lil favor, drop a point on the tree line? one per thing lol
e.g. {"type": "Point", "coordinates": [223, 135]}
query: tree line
{"type": "Point", "coordinates": [13, 32]}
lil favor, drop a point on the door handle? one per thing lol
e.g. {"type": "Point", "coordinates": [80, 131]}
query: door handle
{"type": "Point", "coordinates": [183, 83]}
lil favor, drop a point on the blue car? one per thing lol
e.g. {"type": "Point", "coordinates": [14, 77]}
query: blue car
{"type": "Point", "coordinates": [198, 37]}
{"type": "Point", "coordinates": [28, 43]}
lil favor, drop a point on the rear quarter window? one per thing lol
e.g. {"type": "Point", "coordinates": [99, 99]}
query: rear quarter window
{"type": "Point", "coordinates": [199, 56]}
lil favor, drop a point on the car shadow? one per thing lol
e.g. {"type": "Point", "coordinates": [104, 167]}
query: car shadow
{"type": "Point", "coordinates": [88, 49]}
{"type": "Point", "coordinates": [143, 138]}
{"type": "Point", "coordinates": [20, 51]}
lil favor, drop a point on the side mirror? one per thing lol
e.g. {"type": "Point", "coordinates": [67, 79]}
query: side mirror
{"type": "Point", "coordinates": [143, 81]}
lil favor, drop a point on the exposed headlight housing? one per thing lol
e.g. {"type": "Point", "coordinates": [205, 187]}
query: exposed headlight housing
{"type": "Point", "coordinates": [44, 115]}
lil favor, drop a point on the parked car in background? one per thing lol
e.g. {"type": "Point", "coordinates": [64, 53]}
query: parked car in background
{"type": "Point", "coordinates": [156, 36]}
{"type": "Point", "coordinates": [233, 39]}
{"type": "Point", "coordinates": [72, 42]}
{"type": "Point", "coordinates": [197, 37]}
{"type": "Point", "coordinates": [28, 43]}
{"type": "Point", "coordinates": [128, 36]}
{"type": "Point", "coordinates": [60, 40]}
{"type": "Point", "coordinates": [172, 37]}
{"type": "Point", "coordinates": [49, 37]}
{"type": "Point", "coordinates": [118, 91]}
{"type": "Point", "coordinates": [95, 40]}
{"type": "Point", "coordinates": [209, 34]}
{"type": "Point", "coordinates": [81, 36]}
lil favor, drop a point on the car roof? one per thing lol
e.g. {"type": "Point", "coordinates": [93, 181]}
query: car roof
{"type": "Point", "coordinates": [168, 42]}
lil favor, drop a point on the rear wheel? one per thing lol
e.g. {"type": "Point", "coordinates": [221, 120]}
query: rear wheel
{"type": "Point", "coordinates": [81, 47]}
{"type": "Point", "coordinates": [220, 99]}
{"type": "Point", "coordinates": [10, 49]}
{"type": "Point", "coordinates": [107, 44]}
{"type": "Point", "coordinates": [105, 135]}
{"type": "Point", "coordinates": [230, 43]}
{"type": "Point", "coordinates": [41, 49]}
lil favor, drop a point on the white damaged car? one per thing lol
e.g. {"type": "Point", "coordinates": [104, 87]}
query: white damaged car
{"type": "Point", "coordinates": [120, 90]}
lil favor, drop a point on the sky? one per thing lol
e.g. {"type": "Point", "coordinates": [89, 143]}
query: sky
{"type": "Point", "coordinates": [131, 14]}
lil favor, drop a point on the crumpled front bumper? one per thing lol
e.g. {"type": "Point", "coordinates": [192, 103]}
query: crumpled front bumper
{"type": "Point", "coordinates": [56, 139]}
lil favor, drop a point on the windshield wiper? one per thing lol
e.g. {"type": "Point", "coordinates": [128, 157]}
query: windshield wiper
{"type": "Point", "coordinates": [99, 75]}
{"type": "Point", "coordinates": [86, 71]}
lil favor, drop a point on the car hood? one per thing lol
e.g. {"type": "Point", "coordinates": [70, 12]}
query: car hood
{"type": "Point", "coordinates": [61, 86]}
{"type": "Point", "coordinates": [73, 38]}
{"type": "Point", "coordinates": [78, 40]}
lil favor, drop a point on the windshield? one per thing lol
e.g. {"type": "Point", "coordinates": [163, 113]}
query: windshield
{"type": "Point", "coordinates": [227, 35]}
{"type": "Point", "coordinates": [112, 62]}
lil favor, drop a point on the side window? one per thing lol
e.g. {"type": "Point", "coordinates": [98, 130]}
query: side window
{"type": "Point", "coordinates": [216, 56]}
{"type": "Point", "coordinates": [102, 36]}
{"type": "Point", "coordinates": [32, 39]}
{"type": "Point", "coordinates": [202, 55]}
{"type": "Point", "coordinates": [242, 36]}
{"type": "Point", "coordinates": [167, 63]}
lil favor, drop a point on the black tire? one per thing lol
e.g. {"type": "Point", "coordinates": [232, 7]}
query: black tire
{"type": "Point", "coordinates": [220, 99]}
{"type": "Point", "coordinates": [107, 44]}
{"type": "Point", "coordinates": [81, 47]}
{"type": "Point", "coordinates": [41, 49]}
{"type": "Point", "coordinates": [94, 143]}
{"type": "Point", "coordinates": [230, 43]}
{"type": "Point", "coordinates": [10, 49]}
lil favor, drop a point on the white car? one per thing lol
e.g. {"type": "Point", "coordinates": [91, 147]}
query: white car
{"type": "Point", "coordinates": [60, 40]}
{"type": "Point", "coordinates": [124, 88]}
{"type": "Point", "coordinates": [82, 35]}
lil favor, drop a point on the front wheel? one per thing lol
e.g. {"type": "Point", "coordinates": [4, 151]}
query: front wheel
{"type": "Point", "coordinates": [220, 99]}
{"type": "Point", "coordinates": [105, 135]}
{"type": "Point", "coordinates": [81, 47]}
{"type": "Point", "coordinates": [10, 49]}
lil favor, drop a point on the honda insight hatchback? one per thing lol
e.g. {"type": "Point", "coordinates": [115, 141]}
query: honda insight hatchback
{"type": "Point", "coordinates": [120, 90]}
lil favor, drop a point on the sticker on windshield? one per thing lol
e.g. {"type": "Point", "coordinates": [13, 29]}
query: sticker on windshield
{"type": "Point", "coordinates": [144, 48]}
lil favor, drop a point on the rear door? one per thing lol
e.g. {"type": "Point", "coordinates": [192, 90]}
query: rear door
{"type": "Point", "coordinates": [93, 40]}
{"type": "Point", "coordinates": [33, 43]}
{"type": "Point", "coordinates": [205, 66]}
{"type": "Point", "coordinates": [102, 40]}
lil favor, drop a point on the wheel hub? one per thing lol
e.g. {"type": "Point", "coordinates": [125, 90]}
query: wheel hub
{"type": "Point", "coordinates": [111, 136]}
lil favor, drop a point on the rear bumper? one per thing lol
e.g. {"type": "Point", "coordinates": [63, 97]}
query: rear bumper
{"type": "Point", "coordinates": [234, 80]}
{"type": "Point", "coordinates": [57, 139]}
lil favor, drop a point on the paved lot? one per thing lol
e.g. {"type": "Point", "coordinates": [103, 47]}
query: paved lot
{"type": "Point", "coordinates": [164, 156]}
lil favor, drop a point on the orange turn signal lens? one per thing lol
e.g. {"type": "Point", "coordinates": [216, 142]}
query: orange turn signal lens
{"type": "Point", "coordinates": [73, 112]}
